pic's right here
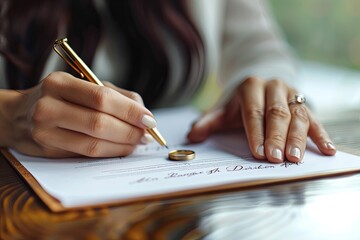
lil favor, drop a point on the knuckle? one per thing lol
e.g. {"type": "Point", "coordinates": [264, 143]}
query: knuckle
{"type": "Point", "coordinates": [322, 136]}
{"type": "Point", "coordinates": [39, 135]}
{"type": "Point", "coordinates": [256, 138]}
{"type": "Point", "coordinates": [51, 80]}
{"type": "Point", "coordinates": [248, 83]}
{"type": "Point", "coordinates": [93, 148]}
{"type": "Point", "coordinates": [277, 83]}
{"type": "Point", "coordinates": [279, 111]}
{"type": "Point", "coordinates": [131, 135]}
{"type": "Point", "coordinates": [251, 81]}
{"type": "Point", "coordinates": [100, 96]}
{"type": "Point", "coordinates": [41, 111]}
{"type": "Point", "coordinates": [254, 112]}
{"type": "Point", "coordinates": [277, 137]}
{"type": "Point", "coordinates": [53, 76]}
{"type": "Point", "coordinates": [297, 138]}
{"type": "Point", "coordinates": [132, 112]}
{"type": "Point", "coordinates": [97, 124]}
{"type": "Point", "coordinates": [135, 96]}
{"type": "Point", "coordinates": [300, 113]}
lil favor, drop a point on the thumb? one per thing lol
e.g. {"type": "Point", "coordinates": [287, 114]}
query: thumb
{"type": "Point", "coordinates": [206, 125]}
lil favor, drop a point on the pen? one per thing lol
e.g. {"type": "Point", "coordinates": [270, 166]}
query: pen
{"type": "Point", "coordinates": [71, 58]}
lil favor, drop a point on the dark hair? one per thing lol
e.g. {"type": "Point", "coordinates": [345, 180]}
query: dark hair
{"type": "Point", "coordinates": [29, 28]}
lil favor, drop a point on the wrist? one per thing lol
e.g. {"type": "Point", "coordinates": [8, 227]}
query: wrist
{"type": "Point", "coordinates": [8, 106]}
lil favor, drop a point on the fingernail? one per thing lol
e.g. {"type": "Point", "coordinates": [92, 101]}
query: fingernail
{"type": "Point", "coordinates": [329, 145]}
{"type": "Point", "coordinates": [260, 150]}
{"type": "Point", "coordinates": [148, 121]}
{"type": "Point", "coordinates": [295, 152]}
{"type": "Point", "coordinates": [276, 153]}
{"type": "Point", "coordinates": [147, 138]}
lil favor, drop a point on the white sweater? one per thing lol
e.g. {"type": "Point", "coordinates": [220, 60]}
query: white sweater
{"type": "Point", "coordinates": [240, 37]}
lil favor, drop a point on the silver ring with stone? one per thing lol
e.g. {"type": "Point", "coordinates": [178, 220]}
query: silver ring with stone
{"type": "Point", "coordinates": [299, 99]}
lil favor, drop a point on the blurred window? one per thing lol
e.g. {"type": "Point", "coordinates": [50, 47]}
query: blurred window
{"type": "Point", "coordinates": [326, 31]}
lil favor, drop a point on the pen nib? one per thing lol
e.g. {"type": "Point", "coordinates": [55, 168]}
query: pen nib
{"type": "Point", "coordinates": [166, 147]}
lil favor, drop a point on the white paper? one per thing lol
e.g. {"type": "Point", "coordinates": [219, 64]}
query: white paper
{"type": "Point", "coordinates": [220, 160]}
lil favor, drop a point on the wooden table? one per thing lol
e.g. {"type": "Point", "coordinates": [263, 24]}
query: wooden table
{"type": "Point", "coordinates": [325, 208]}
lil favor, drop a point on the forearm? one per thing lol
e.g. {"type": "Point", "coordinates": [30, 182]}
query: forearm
{"type": "Point", "coordinates": [8, 99]}
{"type": "Point", "coordinates": [252, 45]}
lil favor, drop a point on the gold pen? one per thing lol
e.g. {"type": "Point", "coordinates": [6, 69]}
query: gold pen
{"type": "Point", "coordinates": [71, 58]}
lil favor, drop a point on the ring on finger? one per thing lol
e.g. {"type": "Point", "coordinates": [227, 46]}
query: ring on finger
{"type": "Point", "coordinates": [298, 99]}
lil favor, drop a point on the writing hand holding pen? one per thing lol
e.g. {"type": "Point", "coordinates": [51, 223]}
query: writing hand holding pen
{"type": "Point", "coordinates": [65, 117]}
{"type": "Point", "coordinates": [64, 50]}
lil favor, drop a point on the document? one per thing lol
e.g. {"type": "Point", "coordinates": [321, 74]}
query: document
{"type": "Point", "coordinates": [222, 162]}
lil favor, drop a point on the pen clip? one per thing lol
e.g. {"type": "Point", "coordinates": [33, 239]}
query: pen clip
{"type": "Point", "coordinates": [66, 53]}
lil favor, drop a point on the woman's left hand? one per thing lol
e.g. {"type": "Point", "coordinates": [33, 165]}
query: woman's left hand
{"type": "Point", "coordinates": [275, 129]}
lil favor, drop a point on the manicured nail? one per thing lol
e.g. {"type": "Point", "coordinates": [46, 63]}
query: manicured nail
{"type": "Point", "coordinates": [148, 121]}
{"type": "Point", "coordinates": [260, 150]}
{"type": "Point", "coordinates": [295, 152]}
{"type": "Point", "coordinates": [147, 138]}
{"type": "Point", "coordinates": [276, 153]}
{"type": "Point", "coordinates": [329, 145]}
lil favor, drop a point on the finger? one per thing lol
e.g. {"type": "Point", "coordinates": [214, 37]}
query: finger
{"type": "Point", "coordinates": [206, 125]}
{"type": "Point", "coordinates": [130, 94]}
{"type": "Point", "coordinates": [99, 98]}
{"type": "Point", "coordinates": [252, 100]}
{"type": "Point", "coordinates": [277, 120]}
{"type": "Point", "coordinates": [78, 143]}
{"type": "Point", "coordinates": [30, 147]}
{"type": "Point", "coordinates": [298, 130]}
{"type": "Point", "coordinates": [219, 119]}
{"type": "Point", "coordinates": [85, 120]}
{"type": "Point", "coordinates": [320, 137]}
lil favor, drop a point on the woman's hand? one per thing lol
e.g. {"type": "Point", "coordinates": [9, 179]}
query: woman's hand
{"type": "Point", "coordinates": [275, 129]}
{"type": "Point", "coordinates": [64, 116]}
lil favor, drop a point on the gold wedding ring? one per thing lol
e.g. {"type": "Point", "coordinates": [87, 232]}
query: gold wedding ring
{"type": "Point", "coordinates": [181, 155]}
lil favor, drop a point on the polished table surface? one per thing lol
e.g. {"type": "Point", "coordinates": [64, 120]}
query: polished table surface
{"type": "Point", "coordinates": [326, 208]}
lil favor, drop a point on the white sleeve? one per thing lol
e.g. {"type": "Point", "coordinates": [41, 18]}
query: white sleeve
{"type": "Point", "coordinates": [252, 46]}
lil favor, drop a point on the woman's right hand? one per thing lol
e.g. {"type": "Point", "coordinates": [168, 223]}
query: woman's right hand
{"type": "Point", "coordinates": [64, 116]}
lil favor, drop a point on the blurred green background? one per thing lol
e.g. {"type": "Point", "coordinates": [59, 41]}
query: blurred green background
{"type": "Point", "coordinates": [327, 31]}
